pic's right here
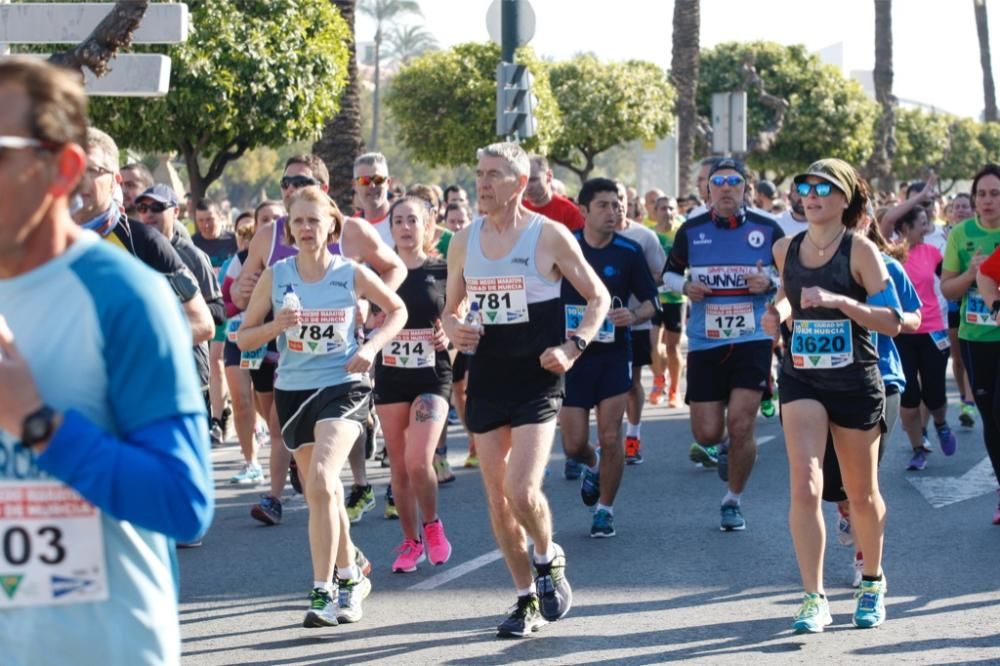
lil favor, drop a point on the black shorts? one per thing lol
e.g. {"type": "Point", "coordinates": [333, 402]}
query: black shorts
{"type": "Point", "coordinates": [596, 377]}
{"type": "Point", "coordinates": [231, 354]}
{"type": "Point", "coordinates": [672, 317]}
{"type": "Point", "coordinates": [263, 377]}
{"type": "Point", "coordinates": [642, 349]}
{"type": "Point", "coordinates": [483, 414]}
{"type": "Point", "coordinates": [713, 373]}
{"type": "Point", "coordinates": [954, 318]}
{"type": "Point", "coordinates": [389, 392]}
{"type": "Point", "coordinates": [459, 367]}
{"type": "Point", "coordinates": [300, 411]}
{"type": "Point", "coordinates": [862, 409]}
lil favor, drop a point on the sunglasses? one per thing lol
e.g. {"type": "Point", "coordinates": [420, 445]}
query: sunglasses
{"type": "Point", "coordinates": [297, 182]}
{"type": "Point", "coordinates": [246, 233]}
{"type": "Point", "coordinates": [731, 181]}
{"type": "Point", "coordinates": [96, 171]}
{"type": "Point", "coordinates": [822, 189]}
{"type": "Point", "coordinates": [155, 207]}
{"type": "Point", "coordinates": [377, 181]}
{"type": "Point", "coordinates": [23, 143]}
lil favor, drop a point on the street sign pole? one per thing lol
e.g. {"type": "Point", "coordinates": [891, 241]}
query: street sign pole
{"type": "Point", "coordinates": [509, 37]}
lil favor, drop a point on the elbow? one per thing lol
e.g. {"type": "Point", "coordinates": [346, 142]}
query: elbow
{"type": "Point", "coordinates": [193, 519]}
{"type": "Point", "coordinates": [890, 328]}
{"type": "Point", "coordinates": [202, 331]}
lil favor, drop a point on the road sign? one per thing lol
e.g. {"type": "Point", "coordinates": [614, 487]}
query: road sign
{"type": "Point", "coordinates": [729, 122]}
{"type": "Point", "coordinates": [525, 21]}
{"type": "Point", "coordinates": [515, 103]}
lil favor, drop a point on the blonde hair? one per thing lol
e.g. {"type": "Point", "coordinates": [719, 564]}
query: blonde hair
{"type": "Point", "coordinates": [313, 194]}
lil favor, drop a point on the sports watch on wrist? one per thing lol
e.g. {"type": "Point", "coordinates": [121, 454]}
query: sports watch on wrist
{"type": "Point", "coordinates": [580, 343]}
{"type": "Point", "coordinates": [38, 427]}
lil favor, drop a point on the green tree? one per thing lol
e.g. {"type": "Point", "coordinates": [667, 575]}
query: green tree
{"type": "Point", "coordinates": [965, 153]}
{"type": "Point", "coordinates": [921, 142]}
{"type": "Point", "coordinates": [444, 103]}
{"type": "Point", "coordinates": [251, 74]}
{"type": "Point", "coordinates": [684, 65]}
{"type": "Point", "coordinates": [384, 12]}
{"type": "Point", "coordinates": [409, 42]}
{"type": "Point", "coordinates": [606, 104]}
{"type": "Point", "coordinates": [989, 137]}
{"type": "Point", "coordinates": [827, 115]}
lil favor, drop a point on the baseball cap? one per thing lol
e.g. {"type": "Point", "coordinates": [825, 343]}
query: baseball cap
{"type": "Point", "coordinates": [766, 188]}
{"type": "Point", "coordinates": [838, 173]}
{"type": "Point", "coordinates": [161, 193]}
{"type": "Point", "coordinates": [729, 163]}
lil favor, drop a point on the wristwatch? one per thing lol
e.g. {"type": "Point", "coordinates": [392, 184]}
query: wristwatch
{"type": "Point", "coordinates": [38, 427]}
{"type": "Point", "coordinates": [580, 343]}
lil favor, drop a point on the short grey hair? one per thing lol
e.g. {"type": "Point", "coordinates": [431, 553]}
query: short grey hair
{"type": "Point", "coordinates": [540, 162]}
{"type": "Point", "coordinates": [103, 142]}
{"type": "Point", "coordinates": [371, 159]}
{"type": "Point", "coordinates": [517, 160]}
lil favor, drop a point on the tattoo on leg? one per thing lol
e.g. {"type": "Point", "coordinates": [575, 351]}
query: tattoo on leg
{"type": "Point", "coordinates": [429, 409]}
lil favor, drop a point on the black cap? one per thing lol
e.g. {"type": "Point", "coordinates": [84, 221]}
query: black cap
{"type": "Point", "coordinates": [729, 163]}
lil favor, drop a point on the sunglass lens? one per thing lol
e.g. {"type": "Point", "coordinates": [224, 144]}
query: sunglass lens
{"type": "Point", "coordinates": [823, 189]}
{"type": "Point", "coordinates": [803, 189]}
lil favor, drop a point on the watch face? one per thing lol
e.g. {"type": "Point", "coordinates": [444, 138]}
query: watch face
{"type": "Point", "coordinates": [35, 428]}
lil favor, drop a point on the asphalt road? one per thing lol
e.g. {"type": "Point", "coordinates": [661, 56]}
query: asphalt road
{"type": "Point", "coordinates": [670, 587]}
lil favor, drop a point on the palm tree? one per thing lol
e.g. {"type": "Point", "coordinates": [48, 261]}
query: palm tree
{"type": "Point", "coordinates": [384, 12]}
{"type": "Point", "coordinates": [409, 42]}
{"type": "Point", "coordinates": [989, 92]}
{"type": "Point", "coordinates": [684, 77]}
{"type": "Point", "coordinates": [341, 139]}
{"type": "Point", "coordinates": [880, 163]}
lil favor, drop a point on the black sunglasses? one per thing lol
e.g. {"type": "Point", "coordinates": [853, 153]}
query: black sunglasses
{"type": "Point", "coordinates": [155, 207]}
{"type": "Point", "coordinates": [297, 182]}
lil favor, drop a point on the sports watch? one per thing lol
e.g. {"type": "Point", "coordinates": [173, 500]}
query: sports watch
{"type": "Point", "coordinates": [580, 343]}
{"type": "Point", "coordinates": [38, 427]}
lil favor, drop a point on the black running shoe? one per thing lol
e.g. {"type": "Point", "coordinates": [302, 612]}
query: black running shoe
{"type": "Point", "coordinates": [555, 596]}
{"type": "Point", "coordinates": [524, 618]}
{"type": "Point", "coordinates": [294, 478]}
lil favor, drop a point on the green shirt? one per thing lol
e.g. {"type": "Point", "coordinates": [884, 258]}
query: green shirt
{"type": "Point", "coordinates": [667, 242]}
{"type": "Point", "coordinates": [444, 242]}
{"type": "Point", "coordinates": [963, 241]}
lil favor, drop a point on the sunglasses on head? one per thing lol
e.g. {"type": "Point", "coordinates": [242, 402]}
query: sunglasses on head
{"type": "Point", "coordinates": [731, 181]}
{"type": "Point", "coordinates": [9, 143]}
{"type": "Point", "coordinates": [377, 181]}
{"type": "Point", "coordinates": [822, 189]}
{"type": "Point", "coordinates": [297, 182]}
{"type": "Point", "coordinates": [155, 207]}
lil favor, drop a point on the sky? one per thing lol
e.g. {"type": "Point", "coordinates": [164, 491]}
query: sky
{"type": "Point", "coordinates": [935, 47]}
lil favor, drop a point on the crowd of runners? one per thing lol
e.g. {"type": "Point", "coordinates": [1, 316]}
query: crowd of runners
{"type": "Point", "coordinates": [332, 336]}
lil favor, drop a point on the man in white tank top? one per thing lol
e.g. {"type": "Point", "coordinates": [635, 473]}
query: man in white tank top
{"type": "Point", "coordinates": [372, 183]}
{"type": "Point", "coordinates": [514, 432]}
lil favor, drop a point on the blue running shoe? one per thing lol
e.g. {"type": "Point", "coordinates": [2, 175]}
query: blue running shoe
{"type": "Point", "coordinates": [572, 470]}
{"type": "Point", "coordinates": [603, 526]}
{"type": "Point", "coordinates": [870, 611]}
{"type": "Point", "coordinates": [813, 615]}
{"type": "Point", "coordinates": [707, 456]}
{"type": "Point", "coordinates": [946, 438]}
{"type": "Point", "coordinates": [732, 518]}
{"type": "Point", "coordinates": [590, 487]}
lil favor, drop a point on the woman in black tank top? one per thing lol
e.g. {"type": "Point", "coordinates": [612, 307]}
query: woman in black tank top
{"type": "Point", "coordinates": [835, 290]}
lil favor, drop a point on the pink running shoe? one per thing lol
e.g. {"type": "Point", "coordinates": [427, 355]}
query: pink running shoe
{"type": "Point", "coordinates": [411, 553]}
{"type": "Point", "coordinates": [438, 548]}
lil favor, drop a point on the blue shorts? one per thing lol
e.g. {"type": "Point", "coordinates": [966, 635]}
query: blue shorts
{"type": "Point", "coordinates": [596, 377]}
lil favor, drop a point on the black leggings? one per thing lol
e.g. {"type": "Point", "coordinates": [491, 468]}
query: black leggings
{"type": "Point", "coordinates": [982, 362]}
{"type": "Point", "coordinates": [924, 366]}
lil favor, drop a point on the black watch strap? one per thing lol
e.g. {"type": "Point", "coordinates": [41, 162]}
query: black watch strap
{"type": "Point", "coordinates": [38, 426]}
{"type": "Point", "coordinates": [580, 343]}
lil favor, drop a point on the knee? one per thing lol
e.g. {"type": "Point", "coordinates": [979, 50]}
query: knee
{"type": "Point", "coordinates": [320, 488]}
{"type": "Point", "coordinates": [863, 499]}
{"type": "Point", "coordinates": [706, 433]}
{"type": "Point", "coordinates": [520, 495]}
{"type": "Point", "coordinates": [612, 446]}
{"type": "Point", "coordinates": [807, 488]}
{"type": "Point", "coordinates": [740, 428]}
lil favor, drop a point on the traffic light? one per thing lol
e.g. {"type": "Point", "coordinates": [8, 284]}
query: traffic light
{"type": "Point", "coordinates": [515, 103]}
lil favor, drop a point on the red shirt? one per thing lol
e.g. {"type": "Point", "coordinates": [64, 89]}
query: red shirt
{"type": "Point", "coordinates": [560, 209]}
{"type": "Point", "coordinates": [991, 267]}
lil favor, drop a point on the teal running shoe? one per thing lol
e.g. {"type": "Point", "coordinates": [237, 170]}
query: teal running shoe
{"type": "Point", "coordinates": [813, 615]}
{"type": "Point", "coordinates": [870, 611]}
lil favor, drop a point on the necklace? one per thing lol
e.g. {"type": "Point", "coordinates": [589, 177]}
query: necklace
{"type": "Point", "coordinates": [822, 250]}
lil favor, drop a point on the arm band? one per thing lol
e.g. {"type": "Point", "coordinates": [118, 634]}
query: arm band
{"type": "Point", "coordinates": [183, 284]}
{"type": "Point", "coordinates": [674, 282]}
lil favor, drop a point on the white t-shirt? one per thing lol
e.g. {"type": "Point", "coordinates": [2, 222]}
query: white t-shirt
{"type": "Point", "coordinates": [790, 225]}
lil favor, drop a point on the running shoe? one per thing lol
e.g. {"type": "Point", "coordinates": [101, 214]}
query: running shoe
{"type": "Point", "coordinates": [362, 562]}
{"type": "Point", "coordinates": [250, 474]}
{"type": "Point", "coordinates": [723, 462]}
{"type": "Point", "coordinates": [524, 618]}
{"type": "Point", "coordinates": [590, 487]}
{"type": "Point", "coordinates": [918, 461]}
{"type": "Point", "coordinates": [261, 434]}
{"type": "Point", "coordinates": [813, 615]}
{"type": "Point", "coordinates": [453, 416]}
{"type": "Point", "coordinates": [708, 456]}
{"type": "Point", "coordinates": [360, 502]}
{"type": "Point", "coordinates": [857, 572]}
{"type": "Point", "coordinates": [372, 430]}
{"type": "Point", "coordinates": [215, 433]}
{"type": "Point", "coordinates": [673, 400]}
{"type": "Point", "coordinates": [442, 468]}
{"type": "Point", "coordinates": [996, 514]}
{"type": "Point", "coordinates": [967, 416]}
{"type": "Point", "coordinates": [555, 596]}
{"type": "Point", "coordinates": [384, 460]}
{"type": "Point", "coordinates": [603, 526]}
{"type": "Point", "coordinates": [732, 518]}
{"type": "Point", "coordinates": [659, 388]}
{"type": "Point", "coordinates": [946, 438]}
{"type": "Point", "coordinates": [322, 610]}
{"type": "Point", "coordinates": [438, 547]}
{"type": "Point", "coordinates": [767, 408]}
{"type": "Point", "coordinates": [267, 510]}
{"type": "Point", "coordinates": [410, 553]}
{"type": "Point", "coordinates": [925, 443]}
{"type": "Point", "coordinates": [471, 461]}
{"type": "Point", "coordinates": [390, 512]}
{"type": "Point", "coordinates": [349, 598]}
{"type": "Point", "coordinates": [572, 469]}
{"type": "Point", "coordinates": [844, 535]}
{"type": "Point", "coordinates": [633, 454]}
{"type": "Point", "coordinates": [870, 611]}
{"type": "Point", "coordinates": [294, 478]}
{"type": "Point", "coordinates": [227, 413]}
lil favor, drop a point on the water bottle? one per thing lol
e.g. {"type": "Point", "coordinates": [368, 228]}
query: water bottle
{"type": "Point", "coordinates": [474, 318]}
{"type": "Point", "coordinates": [291, 300]}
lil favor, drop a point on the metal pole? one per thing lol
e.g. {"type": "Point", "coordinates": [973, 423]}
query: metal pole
{"type": "Point", "coordinates": [508, 29]}
{"type": "Point", "coordinates": [4, 48]}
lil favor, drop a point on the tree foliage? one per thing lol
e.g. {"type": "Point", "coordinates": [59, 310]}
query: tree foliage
{"type": "Point", "coordinates": [251, 74]}
{"type": "Point", "coordinates": [606, 104]}
{"type": "Point", "coordinates": [444, 103]}
{"type": "Point", "coordinates": [828, 114]}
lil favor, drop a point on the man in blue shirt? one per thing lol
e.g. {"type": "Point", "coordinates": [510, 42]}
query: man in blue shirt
{"type": "Point", "coordinates": [103, 448]}
{"type": "Point", "coordinates": [602, 376]}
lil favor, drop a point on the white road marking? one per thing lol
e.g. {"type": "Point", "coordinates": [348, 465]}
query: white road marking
{"type": "Point", "coordinates": [458, 572]}
{"type": "Point", "coordinates": [765, 438]}
{"type": "Point", "coordinates": [941, 491]}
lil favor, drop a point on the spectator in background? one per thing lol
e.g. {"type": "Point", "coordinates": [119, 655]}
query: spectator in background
{"type": "Point", "coordinates": [540, 198]}
{"type": "Point", "coordinates": [136, 179]}
{"type": "Point", "coordinates": [766, 193]}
